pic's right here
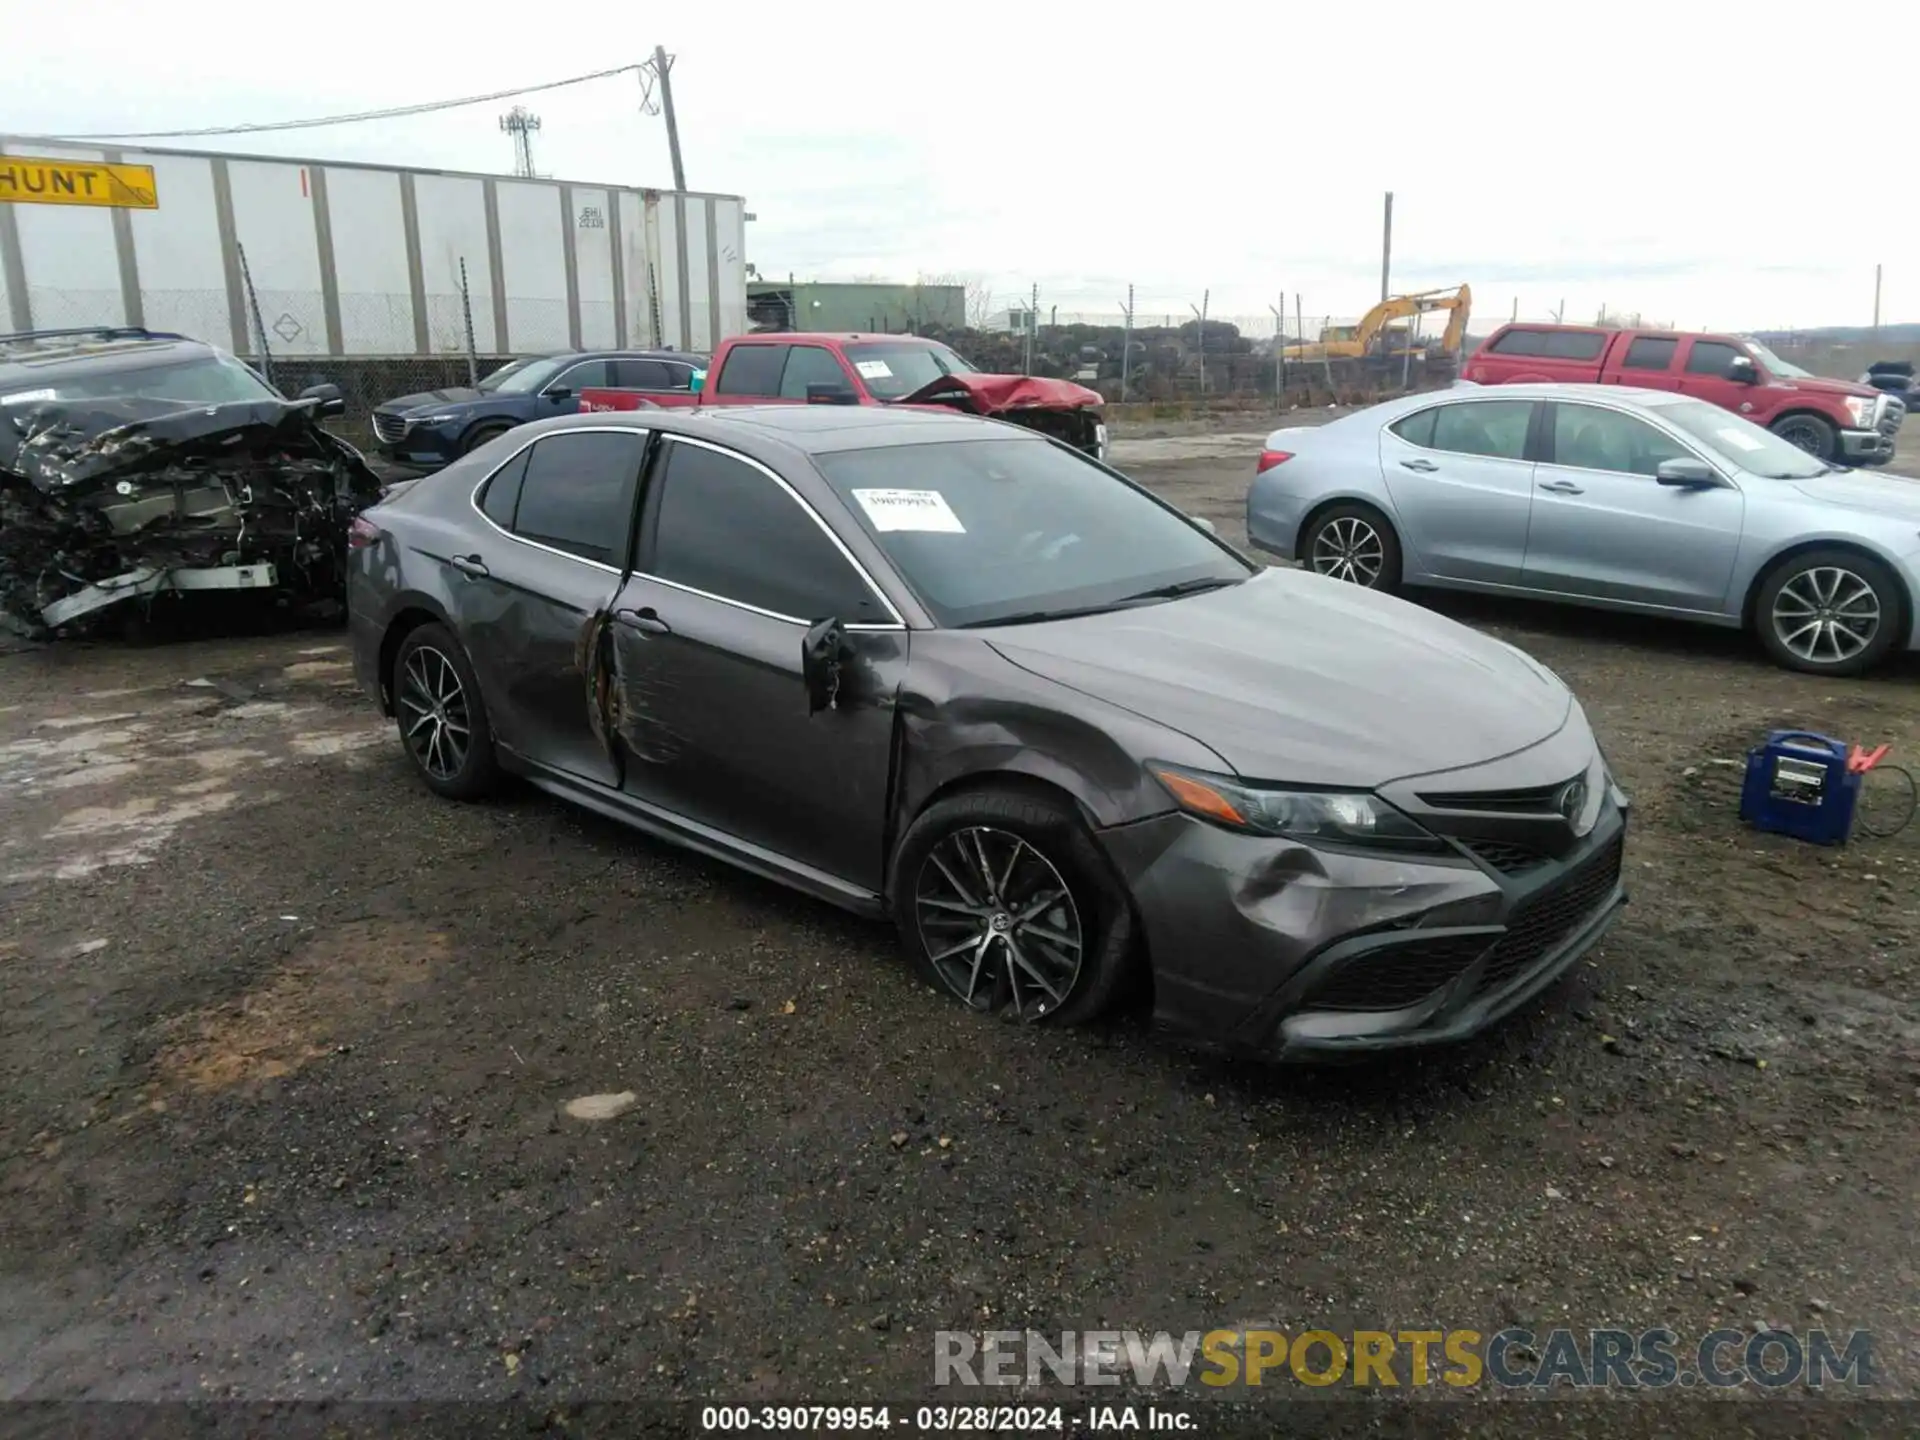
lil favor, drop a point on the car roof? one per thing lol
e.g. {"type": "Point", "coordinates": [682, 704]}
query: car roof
{"type": "Point", "coordinates": [30, 355]}
{"type": "Point", "coordinates": [823, 337]}
{"type": "Point", "coordinates": [1548, 390]}
{"type": "Point", "coordinates": [799, 429]}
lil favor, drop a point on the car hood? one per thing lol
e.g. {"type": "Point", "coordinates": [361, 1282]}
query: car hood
{"type": "Point", "coordinates": [453, 395]}
{"type": "Point", "coordinates": [1819, 385]}
{"type": "Point", "coordinates": [1293, 677]}
{"type": "Point", "coordinates": [996, 394]}
{"type": "Point", "coordinates": [1888, 495]}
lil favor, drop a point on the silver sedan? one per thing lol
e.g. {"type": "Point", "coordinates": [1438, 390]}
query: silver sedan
{"type": "Point", "coordinates": [1624, 499]}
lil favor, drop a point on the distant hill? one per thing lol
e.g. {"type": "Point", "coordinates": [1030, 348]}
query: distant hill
{"type": "Point", "coordinates": [1843, 335]}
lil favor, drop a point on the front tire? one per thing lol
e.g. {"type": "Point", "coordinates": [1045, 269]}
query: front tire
{"type": "Point", "coordinates": [1353, 543]}
{"type": "Point", "coordinates": [1004, 901]}
{"type": "Point", "coordinates": [1811, 434]}
{"type": "Point", "coordinates": [480, 434]}
{"type": "Point", "coordinates": [441, 716]}
{"type": "Point", "coordinates": [1829, 612]}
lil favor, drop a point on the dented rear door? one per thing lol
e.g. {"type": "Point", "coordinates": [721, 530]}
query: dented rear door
{"type": "Point", "coordinates": [533, 594]}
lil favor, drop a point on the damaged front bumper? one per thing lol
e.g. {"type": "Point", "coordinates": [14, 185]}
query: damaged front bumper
{"type": "Point", "coordinates": [107, 502]}
{"type": "Point", "coordinates": [1299, 953]}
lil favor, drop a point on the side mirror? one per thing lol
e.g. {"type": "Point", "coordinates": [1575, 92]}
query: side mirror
{"type": "Point", "coordinates": [823, 649]}
{"type": "Point", "coordinates": [1205, 524]}
{"type": "Point", "coordinates": [1687, 475]}
{"type": "Point", "coordinates": [1742, 370]}
{"type": "Point", "coordinates": [559, 392]}
{"type": "Point", "coordinates": [332, 402]}
{"type": "Point", "coordinates": [831, 395]}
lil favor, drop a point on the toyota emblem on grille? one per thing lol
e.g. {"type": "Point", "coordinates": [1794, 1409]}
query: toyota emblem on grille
{"type": "Point", "coordinates": [1571, 802]}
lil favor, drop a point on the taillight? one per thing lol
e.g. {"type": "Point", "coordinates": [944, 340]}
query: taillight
{"type": "Point", "coordinates": [1271, 458]}
{"type": "Point", "coordinates": [362, 533]}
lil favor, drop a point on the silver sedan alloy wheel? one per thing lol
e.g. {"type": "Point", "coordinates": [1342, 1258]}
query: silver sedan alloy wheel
{"type": "Point", "coordinates": [1826, 615]}
{"type": "Point", "coordinates": [1348, 548]}
{"type": "Point", "coordinates": [999, 923]}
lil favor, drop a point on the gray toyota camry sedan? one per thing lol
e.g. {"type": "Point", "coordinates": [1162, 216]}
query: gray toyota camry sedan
{"type": "Point", "coordinates": [948, 671]}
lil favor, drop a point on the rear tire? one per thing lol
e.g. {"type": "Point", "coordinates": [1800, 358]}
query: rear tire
{"type": "Point", "coordinates": [1811, 434]}
{"type": "Point", "coordinates": [1830, 612]}
{"type": "Point", "coordinates": [1354, 543]}
{"type": "Point", "coordinates": [1004, 901]}
{"type": "Point", "coordinates": [441, 716]}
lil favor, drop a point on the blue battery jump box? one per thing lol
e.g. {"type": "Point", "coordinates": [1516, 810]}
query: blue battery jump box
{"type": "Point", "coordinates": [1799, 784]}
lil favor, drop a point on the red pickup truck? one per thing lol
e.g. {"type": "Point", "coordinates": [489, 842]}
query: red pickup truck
{"type": "Point", "coordinates": [1837, 420]}
{"type": "Point", "coordinates": [808, 368]}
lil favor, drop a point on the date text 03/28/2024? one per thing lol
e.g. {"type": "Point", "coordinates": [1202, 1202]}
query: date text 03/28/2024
{"type": "Point", "coordinates": [942, 1419]}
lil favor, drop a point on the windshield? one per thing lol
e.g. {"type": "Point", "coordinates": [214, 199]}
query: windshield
{"type": "Point", "coordinates": [518, 377]}
{"type": "Point", "coordinates": [1774, 363]}
{"type": "Point", "coordinates": [1743, 443]}
{"type": "Point", "coordinates": [207, 380]}
{"type": "Point", "coordinates": [892, 371]}
{"type": "Point", "coordinates": [993, 531]}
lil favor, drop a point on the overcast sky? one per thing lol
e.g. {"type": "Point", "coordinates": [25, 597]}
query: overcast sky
{"type": "Point", "coordinates": [1637, 156]}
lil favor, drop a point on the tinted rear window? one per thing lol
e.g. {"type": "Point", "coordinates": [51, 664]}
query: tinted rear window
{"type": "Point", "coordinates": [752, 370]}
{"type": "Point", "coordinates": [1520, 342]}
{"type": "Point", "coordinates": [1650, 353]}
{"type": "Point", "coordinates": [1574, 345]}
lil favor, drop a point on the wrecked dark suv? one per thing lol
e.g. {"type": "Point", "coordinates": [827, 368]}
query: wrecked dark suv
{"type": "Point", "coordinates": [136, 463]}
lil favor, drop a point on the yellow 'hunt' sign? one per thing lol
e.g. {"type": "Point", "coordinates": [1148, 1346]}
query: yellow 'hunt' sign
{"type": "Point", "coordinates": [27, 180]}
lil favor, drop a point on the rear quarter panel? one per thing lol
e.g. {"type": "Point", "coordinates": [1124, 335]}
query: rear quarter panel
{"type": "Point", "coordinates": [1332, 462]}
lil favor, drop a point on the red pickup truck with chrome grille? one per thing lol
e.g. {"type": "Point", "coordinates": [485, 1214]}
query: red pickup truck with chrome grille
{"type": "Point", "coordinates": [808, 368]}
{"type": "Point", "coordinates": [1841, 422]}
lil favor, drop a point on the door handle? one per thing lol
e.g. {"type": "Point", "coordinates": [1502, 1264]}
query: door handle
{"type": "Point", "coordinates": [645, 621]}
{"type": "Point", "coordinates": [1562, 487]}
{"type": "Point", "coordinates": [471, 566]}
{"type": "Point", "coordinates": [1425, 467]}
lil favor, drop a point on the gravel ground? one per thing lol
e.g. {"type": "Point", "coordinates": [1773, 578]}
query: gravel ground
{"type": "Point", "coordinates": [286, 1045]}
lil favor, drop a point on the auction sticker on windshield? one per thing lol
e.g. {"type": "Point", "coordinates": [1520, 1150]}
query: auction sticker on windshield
{"type": "Point", "coordinates": [873, 369]}
{"type": "Point", "coordinates": [909, 510]}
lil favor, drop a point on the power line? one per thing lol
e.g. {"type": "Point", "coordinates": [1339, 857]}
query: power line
{"type": "Point", "coordinates": [395, 113]}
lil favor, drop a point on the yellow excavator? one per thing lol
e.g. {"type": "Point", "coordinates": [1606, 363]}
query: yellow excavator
{"type": "Point", "coordinates": [1373, 337]}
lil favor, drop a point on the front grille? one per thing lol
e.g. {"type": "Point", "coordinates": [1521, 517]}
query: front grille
{"type": "Point", "coordinates": [1532, 800]}
{"type": "Point", "coordinates": [1394, 979]}
{"type": "Point", "coordinates": [1541, 923]}
{"type": "Point", "coordinates": [1504, 856]}
{"type": "Point", "coordinates": [388, 428]}
{"type": "Point", "coordinates": [1896, 413]}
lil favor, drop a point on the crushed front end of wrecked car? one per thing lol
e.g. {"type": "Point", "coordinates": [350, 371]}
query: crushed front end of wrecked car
{"type": "Point", "coordinates": [107, 501]}
{"type": "Point", "coordinates": [1057, 408]}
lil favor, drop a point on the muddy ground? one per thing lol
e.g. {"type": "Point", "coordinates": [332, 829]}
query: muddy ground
{"type": "Point", "coordinates": [285, 1043]}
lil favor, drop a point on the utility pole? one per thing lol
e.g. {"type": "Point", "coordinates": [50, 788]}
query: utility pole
{"type": "Point", "coordinates": [1201, 315]}
{"type": "Point", "coordinates": [1386, 247]}
{"type": "Point", "coordinates": [1033, 324]}
{"type": "Point", "coordinates": [1279, 347]}
{"type": "Point", "coordinates": [520, 123]}
{"type": "Point", "coordinates": [1126, 347]}
{"type": "Point", "coordinates": [1876, 297]}
{"type": "Point", "coordinates": [661, 65]}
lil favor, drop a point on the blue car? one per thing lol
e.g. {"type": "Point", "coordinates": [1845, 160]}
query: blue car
{"type": "Point", "coordinates": [436, 426]}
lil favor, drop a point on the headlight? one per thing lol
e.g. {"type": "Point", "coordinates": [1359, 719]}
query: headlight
{"type": "Point", "coordinates": [1861, 409]}
{"type": "Point", "coordinates": [1335, 817]}
{"type": "Point", "coordinates": [430, 419]}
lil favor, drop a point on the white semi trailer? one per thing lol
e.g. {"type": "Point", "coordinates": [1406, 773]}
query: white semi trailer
{"type": "Point", "coordinates": [334, 259]}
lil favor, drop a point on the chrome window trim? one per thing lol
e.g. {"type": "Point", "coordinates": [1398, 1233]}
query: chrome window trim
{"type": "Point", "coordinates": [866, 578]}
{"type": "Point", "coordinates": [1684, 441]}
{"type": "Point", "coordinates": [1446, 403]}
{"type": "Point", "coordinates": [473, 496]}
